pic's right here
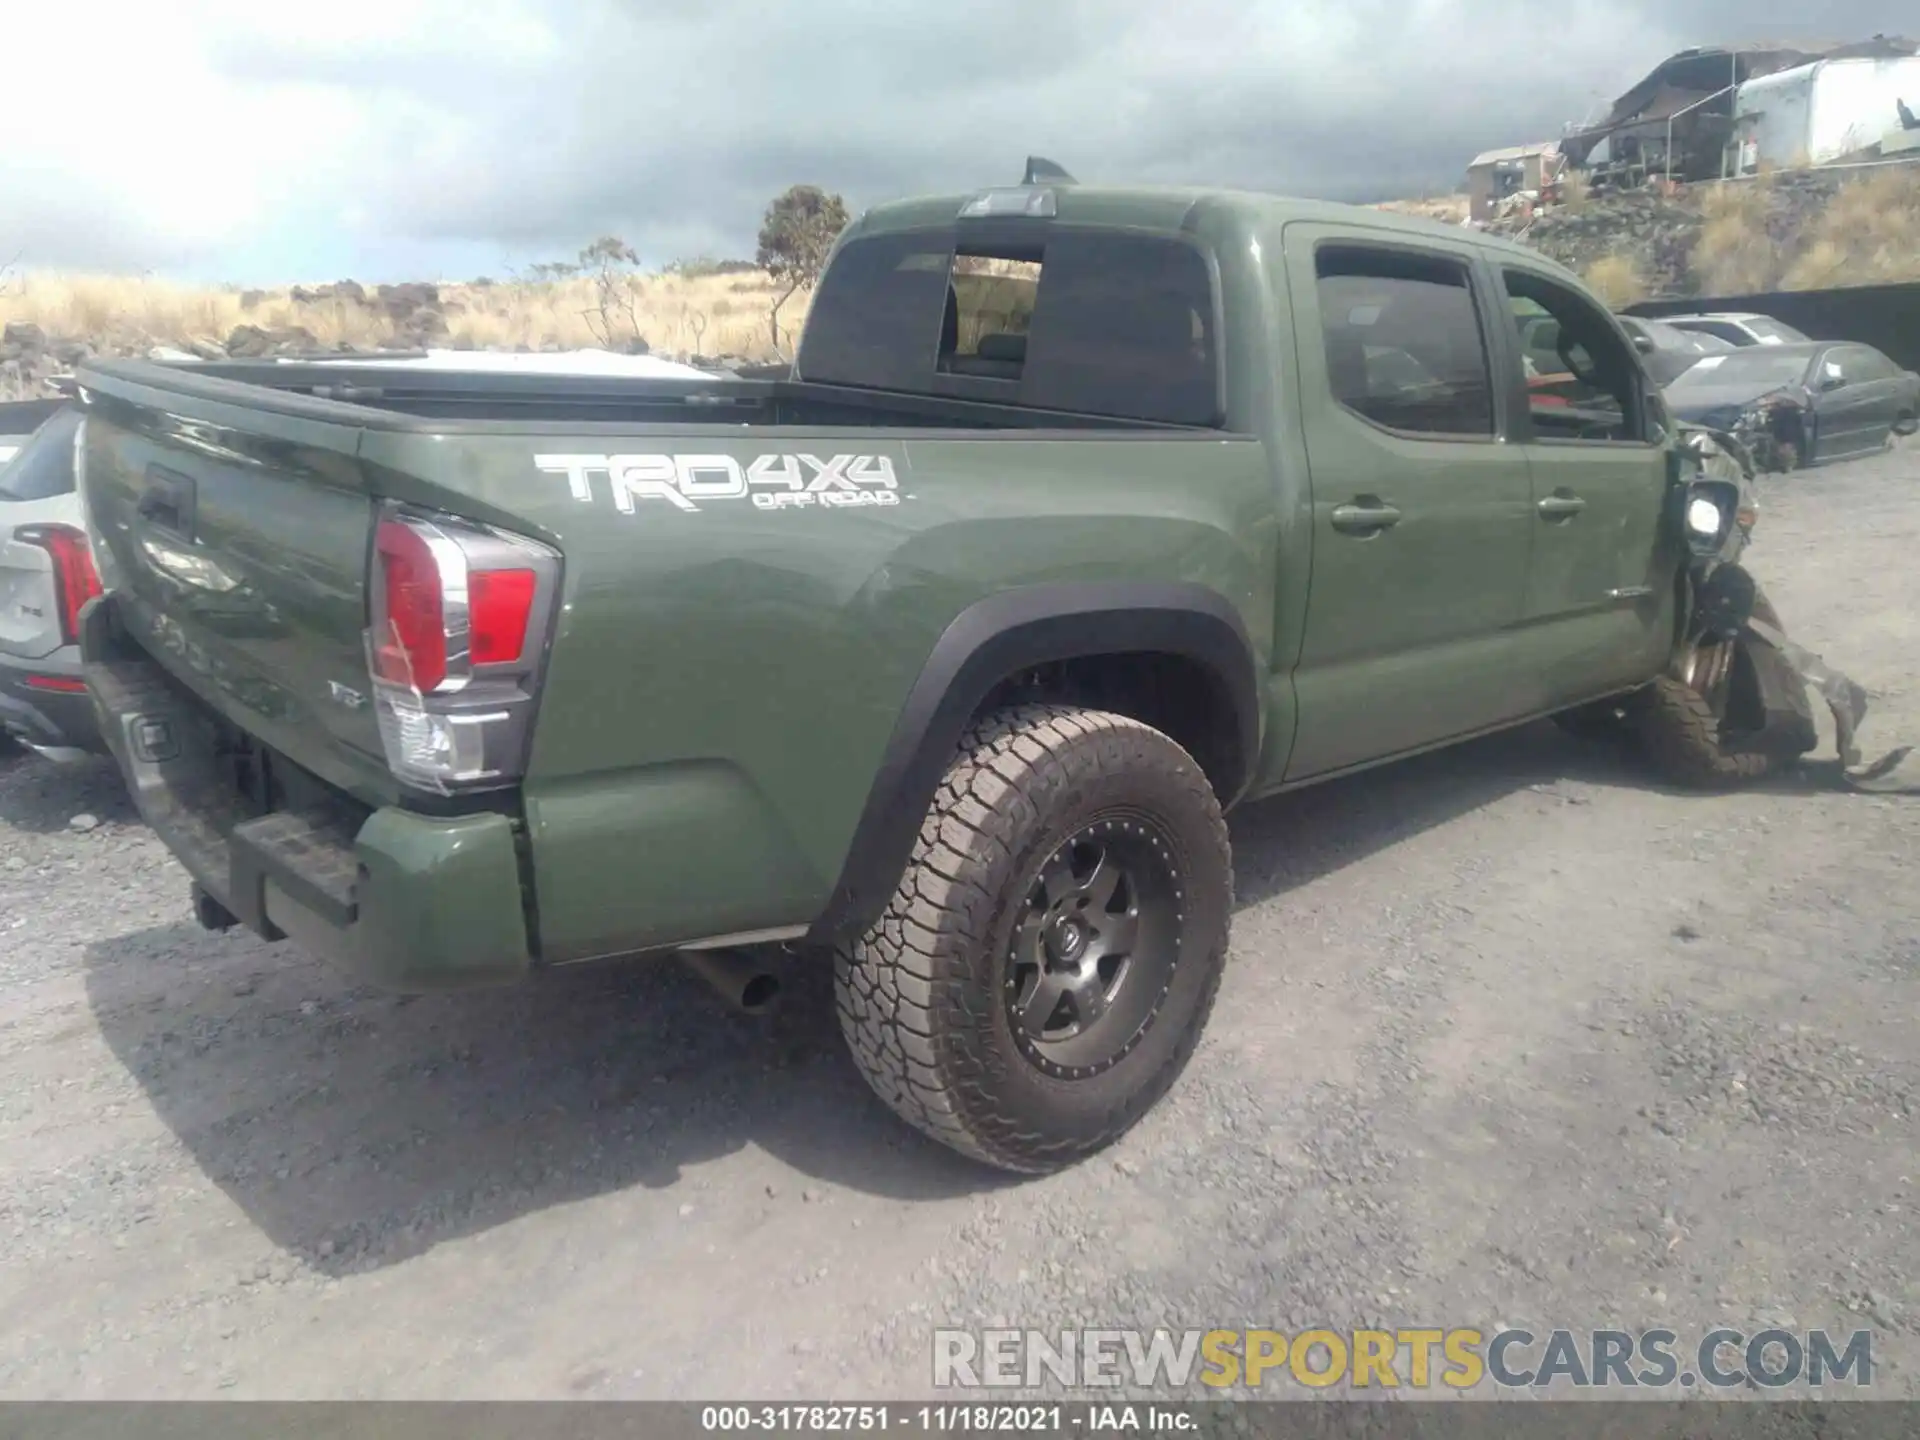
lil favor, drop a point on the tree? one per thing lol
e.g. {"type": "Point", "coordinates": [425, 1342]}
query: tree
{"type": "Point", "coordinates": [798, 230]}
{"type": "Point", "coordinates": [609, 263]}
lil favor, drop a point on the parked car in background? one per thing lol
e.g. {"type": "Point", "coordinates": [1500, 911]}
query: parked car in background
{"type": "Point", "coordinates": [46, 575]}
{"type": "Point", "coordinates": [1739, 328]}
{"type": "Point", "coordinates": [1668, 351]}
{"type": "Point", "coordinates": [1820, 400]}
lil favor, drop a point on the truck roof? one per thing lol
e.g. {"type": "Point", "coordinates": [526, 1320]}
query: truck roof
{"type": "Point", "coordinates": [1168, 209]}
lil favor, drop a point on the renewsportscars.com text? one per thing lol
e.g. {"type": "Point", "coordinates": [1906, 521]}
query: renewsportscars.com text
{"type": "Point", "coordinates": [1414, 1359]}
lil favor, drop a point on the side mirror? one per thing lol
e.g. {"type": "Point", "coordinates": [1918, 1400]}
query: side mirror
{"type": "Point", "coordinates": [1830, 381]}
{"type": "Point", "coordinates": [1643, 343]}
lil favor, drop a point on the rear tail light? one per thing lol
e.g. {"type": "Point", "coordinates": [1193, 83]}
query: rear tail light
{"type": "Point", "coordinates": [75, 581]}
{"type": "Point", "coordinates": [460, 615]}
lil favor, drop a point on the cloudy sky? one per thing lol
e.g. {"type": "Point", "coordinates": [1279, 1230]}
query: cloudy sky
{"type": "Point", "coordinates": [267, 141]}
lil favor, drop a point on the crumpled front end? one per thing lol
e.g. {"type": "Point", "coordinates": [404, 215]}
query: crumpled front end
{"type": "Point", "coordinates": [1773, 430]}
{"type": "Point", "coordinates": [1726, 603]}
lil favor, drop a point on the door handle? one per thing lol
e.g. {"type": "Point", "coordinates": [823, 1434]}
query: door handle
{"type": "Point", "coordinates": [1365, 516]}
{"type": "Point", "coordinates": [1560, 506]}
{"type": "Point", "coordinates": [160, 509]}
{"type": "Point", "coordinates": [167, 501]}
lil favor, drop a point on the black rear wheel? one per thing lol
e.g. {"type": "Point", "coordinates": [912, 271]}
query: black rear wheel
{"type": "Point", "coordinates": [1044, 970]}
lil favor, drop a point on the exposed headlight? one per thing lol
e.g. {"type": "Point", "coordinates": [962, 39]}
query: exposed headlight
{"type": "Point", "coordinates": [1704, 518]}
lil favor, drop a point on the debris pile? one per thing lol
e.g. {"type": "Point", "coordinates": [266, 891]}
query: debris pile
{"type": "Point", "coordinates": [30, 358]}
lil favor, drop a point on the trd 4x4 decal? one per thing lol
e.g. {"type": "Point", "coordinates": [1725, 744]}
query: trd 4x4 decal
{"type": "Point", "coordinates": [774, 482]}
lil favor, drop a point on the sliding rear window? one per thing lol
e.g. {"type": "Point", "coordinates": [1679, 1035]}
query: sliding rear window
{"type": "Point", "coordinates": [1097, 322]}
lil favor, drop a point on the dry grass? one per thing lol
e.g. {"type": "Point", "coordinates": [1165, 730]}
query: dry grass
{"type": "Point", "coordinates": [1618, 280]}
{"type": "Point", "coordinates": [1868, 235]}
{"type": "Point", "coordinates": [1735, 255]}
{"type": "Point", "coordinates": [710, 314]}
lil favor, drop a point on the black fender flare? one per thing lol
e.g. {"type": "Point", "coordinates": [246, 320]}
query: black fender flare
{"type": "Point", "coordinates": [997, 638]}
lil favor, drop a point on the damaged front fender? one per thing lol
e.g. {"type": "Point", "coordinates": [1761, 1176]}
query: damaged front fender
{"type": "Point", "coordinates": [1847, 701]}
{"type": "Point", "coordinates": [1773, 430]}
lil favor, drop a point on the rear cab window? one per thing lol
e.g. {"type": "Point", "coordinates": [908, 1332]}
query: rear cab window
{"type": "Point", "coordinates": [43, 468]}
{"type": "Point", "coordinates": [1719, 329]}
{"type": "Point", "coordinates": [1112, 323]}
{"type": "Point", "coordinates": [1772, 332]}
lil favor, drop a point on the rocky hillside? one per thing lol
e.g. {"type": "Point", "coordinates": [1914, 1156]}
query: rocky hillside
{"type": "Point", "coordinates": [1790, 231]}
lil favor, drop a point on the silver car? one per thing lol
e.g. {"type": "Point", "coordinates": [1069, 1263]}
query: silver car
{"type": "Point", "coordinates": [46, 575]}
{"type": "Point", "coordinates": [1739, 328]}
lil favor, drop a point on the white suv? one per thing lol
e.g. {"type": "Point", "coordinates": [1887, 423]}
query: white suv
{"type": "Point", "coordinates": [46, 575]}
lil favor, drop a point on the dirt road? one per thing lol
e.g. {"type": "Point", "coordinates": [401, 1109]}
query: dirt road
{"type": "Point", "coordinates": [1512, 1035]}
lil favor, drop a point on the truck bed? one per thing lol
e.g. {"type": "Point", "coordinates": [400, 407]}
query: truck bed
{"type": "Point", "coordinates": [509, 399]}
{"type": "Point", "coordinates": [752, 577]}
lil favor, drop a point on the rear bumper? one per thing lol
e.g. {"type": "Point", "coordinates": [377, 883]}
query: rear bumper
{"type": "Point", "coordinates": [409, 902]}
{"type": "Point", "coordinates": [51, 718]}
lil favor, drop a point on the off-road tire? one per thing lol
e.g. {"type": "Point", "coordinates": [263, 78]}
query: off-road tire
{"type": "Point", "coordinates": [922, 995]}
{"type": "Point", "coordinates": [1691, 746]}
{"type": "Point", "coordinates": [1682, 738]}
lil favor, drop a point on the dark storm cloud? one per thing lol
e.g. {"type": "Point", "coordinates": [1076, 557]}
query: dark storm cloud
{"type": "Point", "coordinates": [673, 123]}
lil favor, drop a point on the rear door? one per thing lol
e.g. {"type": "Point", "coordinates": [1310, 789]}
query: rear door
{"type": "Point", "coordinates": [1597, 609]}
{"type": "Point", "coordinates": [1421, 518]}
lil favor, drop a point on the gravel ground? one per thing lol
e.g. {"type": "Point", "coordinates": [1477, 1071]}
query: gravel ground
{"type": "Point", "coordinates": [1512, 1035]}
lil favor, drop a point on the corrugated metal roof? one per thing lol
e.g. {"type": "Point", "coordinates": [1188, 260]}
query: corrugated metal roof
{"type": "Point", "coordinates": [1515, 152]}
{"type": "Point", "coordinates": [1705, 69]}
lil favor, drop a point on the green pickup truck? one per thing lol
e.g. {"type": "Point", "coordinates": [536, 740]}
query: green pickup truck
{"type": "Point", "coordinates": [1085, 514]}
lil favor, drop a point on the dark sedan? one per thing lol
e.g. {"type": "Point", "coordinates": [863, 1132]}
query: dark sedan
{"type": "Point", "coordinates": [1820, 400]}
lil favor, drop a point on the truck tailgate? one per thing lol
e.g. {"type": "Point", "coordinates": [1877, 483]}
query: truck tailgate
{"type": "Point", "coordinates": [236, 536]}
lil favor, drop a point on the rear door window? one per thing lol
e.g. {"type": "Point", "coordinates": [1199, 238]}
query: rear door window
{"type": "Point", "coordinates": [44, 466]}
{"type": "Point", "coordinates": [1861, 363]}
{"type": "Point", "coordinates": [1095, 322]}
{"type": "Point", "coordinates": [1403, 340]}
